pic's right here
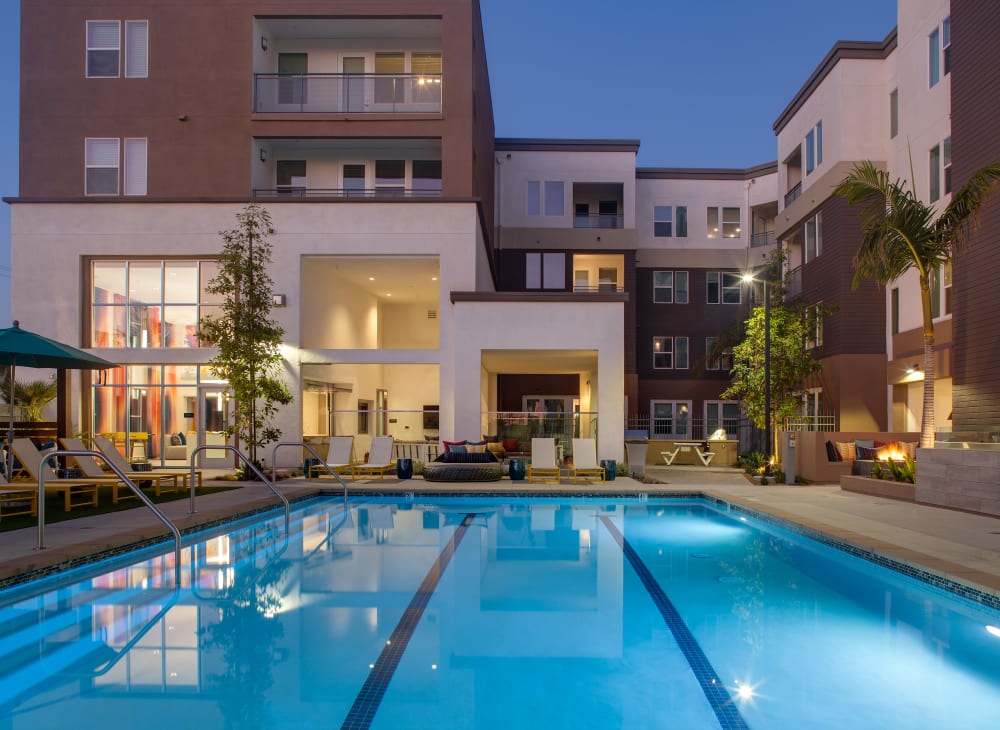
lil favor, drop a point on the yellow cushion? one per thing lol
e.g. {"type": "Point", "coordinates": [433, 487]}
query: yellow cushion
{"type": "Point", "coordinates": [847, 450]}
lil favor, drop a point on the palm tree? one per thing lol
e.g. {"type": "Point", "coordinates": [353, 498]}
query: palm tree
{"type": "Point", "coordinates": [901, 232]}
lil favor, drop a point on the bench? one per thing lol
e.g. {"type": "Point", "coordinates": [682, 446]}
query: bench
{"type": "Point", "coordinates": [694, 446]}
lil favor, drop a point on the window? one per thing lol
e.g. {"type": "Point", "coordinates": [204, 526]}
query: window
{"type": "Point", "coordinates": [946, 146]}
{"type": "Point", "coordinates": [893, 113]}
{"type": "Point", "coordinates": [663, 217]}
{"type": "Point", "coordinates": [724, 414]}
{"type": "Point", "coordinates": [554, 198]}
{"type": "Point", "coordinates": [103, 47]}
{"type": "Point", "coordinates": [554, 203]}
{"type": "Point", "coordinates": [940, 286]}
{"type": "Point", "coordinates": [390, 176]}
{"type": "Point", "coordinates": [364, 411]}
{"type": "Point", "coordinates": [814, 147]}
{"type": "Point", "coordinates": [144, 303]}
{"type": "Point", "coordinates": [814, 237]}
{"type": "Point", "coordinates": [671, 419]}
{"type": "Point", "coordinates": [681, 353]}
{"type": "Point", "coordinates": [895, 310]}
{"type": "Point", "coordinates": [101, 162]}
{"type": "Point", "coordinates": [427, 177]}
{"type": "Point", "coordinates": [935, 173]}
{"type": "Point", "coordinates": [663, 353]}
{"type": "Point", "coordinates": [730, 222]}
{"type": "Point", "coordinates": [136, 49]}
{"type": "Point", "coordinates": [135, 167]}
{"type": "Point", "coordinates": [389, 84]}
{"type": "Point", "coordinates": [934, 57]}
{"type": "Point", "coordinates": [812, 407]}
{"type": "Point", "coordinates": [716, 359]}
{"type": "Point", "coordinates": [946, 45]}
{"type": "Point", "coordinates": [682, 221]}
{"type": "Point", "coordinates": [723, 287]}
{"type": "Point", "coordinates": [946, 286]}
{"type": "Point", "coordinates": [670, 287]}
{"type": "Point", "coordinates": [426, 67]}
{"type": "Point", "coordinates": [545, 271]}
{"type": "Point", "coordinates": [813, 326]}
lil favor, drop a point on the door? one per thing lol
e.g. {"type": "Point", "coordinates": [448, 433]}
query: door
{"type": "Point", "coordinates": [213, 416]}
{"type": "Point", "coordinates": [354, 84]}
{"type": "Point", "coordinates": [608, 212]}
{"type": "Point", "coordinates": [292, 81]}
{"type": "Point", "coordinates": [381, 412]}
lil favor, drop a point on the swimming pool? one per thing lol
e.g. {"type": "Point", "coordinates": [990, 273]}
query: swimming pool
{"type": "Point", "coordinates": [485, 613]}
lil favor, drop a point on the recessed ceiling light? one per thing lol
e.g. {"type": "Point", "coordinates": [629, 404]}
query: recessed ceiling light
{"type": "Point", "coordinates": [388, 293]}
{"type": "Point", "coordinates": [371, 278]}
{"type": "Point", "coordinates": [434, 278]}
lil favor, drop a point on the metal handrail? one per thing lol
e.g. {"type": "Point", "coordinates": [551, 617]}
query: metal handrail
{"type": "Point", "coordinates": [46, 458]}
{"type": "Point", "coordinates": [246, 461]}
{"type": "Point", "coordinates": [303, 444]}
{"type": "Point", "coordinates": [127, 647]}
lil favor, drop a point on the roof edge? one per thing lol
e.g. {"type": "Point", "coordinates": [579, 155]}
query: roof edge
{"type": "Point", "coordinates": [874, 50]}
{"type": "Point", "coordinates": [705, 173]}
{"type": "Point", "coordinates": [541, 144]}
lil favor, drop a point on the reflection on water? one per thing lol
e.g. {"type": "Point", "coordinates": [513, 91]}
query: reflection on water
{"type": "Point", "coordinates": [275, 629]}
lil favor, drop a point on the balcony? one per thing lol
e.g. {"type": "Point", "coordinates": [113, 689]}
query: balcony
{"type": "Point", "coordinates": [283, 192]}
{"type": "Point", "coordinates": [793, 193]}
{"type": "Point", "coordinates": [793, 284]}
{"type": "Point", "coordinates": [347, 93]}
{"type": "Point", "coordinates": [599, 220]}
{"type": "Point", "coordinates": [764, 238]}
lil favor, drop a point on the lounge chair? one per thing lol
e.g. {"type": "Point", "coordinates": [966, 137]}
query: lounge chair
{"type": "Point", "coordinates": [92, 469]}
{"type": "Point", "coordinates": [379, 460]}
{"type": "Point", "coordinates": [585, 466]}
{"type": "Point", "coordinates": [84, 490]}
{"type": "Point", "coordinates": [340, 459]}
{"type": "Point", "coordinates": [17, 499]}
{"type": "Point", "coordinates": [107, 447]}
{"type": "Point", "coordinates": [543, 466]}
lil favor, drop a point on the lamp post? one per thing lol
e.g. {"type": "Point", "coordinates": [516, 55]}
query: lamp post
{"type": "Point", "coordinates": [749, 278]}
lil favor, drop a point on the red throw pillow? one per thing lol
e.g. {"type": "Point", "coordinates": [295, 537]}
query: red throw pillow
{"type": "Point", "coordinates": [449, 444]}
{"type": "Point", "coordinates": [510, 444]}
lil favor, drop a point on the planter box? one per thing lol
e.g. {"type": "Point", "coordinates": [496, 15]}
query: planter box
{"type": "Point", "coordinates": [879, 488]}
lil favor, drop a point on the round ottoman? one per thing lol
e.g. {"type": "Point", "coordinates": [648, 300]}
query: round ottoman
{"type": "Point", "coordinates": [440, 472]}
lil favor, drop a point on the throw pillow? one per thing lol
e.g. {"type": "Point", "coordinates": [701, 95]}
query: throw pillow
{"type": "Point", "coordinates": [175, 439]}
{"type": "Point", "coordinates": [864, 443]}
{"type": "Point", "coordinates": [494, 439]}
{"type": "Point", "coordinates": [867, 454]}
{"type": "Point", "coordinates": [182, 437]}
{"type": "Point", "coordinates": [847, 450]}
{"type": "Point", "coordinates": [495, 447]}
{"type": "Point", "coordinates": [831, 452]}
{"type": "Point", "coordinates": [510, 444]}
{"type": "Point", "coordinates": [449, 446]}
{"type": "Point", "coordinates": [475, 447]}
{"type": "Point", "coordinates": [457, 449]}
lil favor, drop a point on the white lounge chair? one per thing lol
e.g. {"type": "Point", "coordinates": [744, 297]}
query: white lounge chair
{"type": "Point", "coordinates": [108, 448]}
{"type": "Point", "coordinates": [543, 466]}
{"type": "Point", "coordinates": [585, 466]}
{"type": "Point", "coordinates": [31, 462]}
{"type": "Point", "coordinates": [92, 469]}
{"type": "Point", "coordinates": [340, 459]}
{"type": "Point", "coordinates": [379, 460]}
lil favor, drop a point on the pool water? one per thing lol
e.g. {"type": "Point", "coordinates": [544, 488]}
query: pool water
{"type": "Point", "coordinates": [487, 613]}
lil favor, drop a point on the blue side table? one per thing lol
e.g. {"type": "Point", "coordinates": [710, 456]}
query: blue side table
{"type": "Point", "coordinates": [610, 469]}
{"type": "Point", "coordinates": [515, 470]}
{"type": "Point", "coordinates": [404, 468]}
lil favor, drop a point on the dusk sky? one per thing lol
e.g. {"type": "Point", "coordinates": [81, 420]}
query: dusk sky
{"type": "Point", "coordinates": [697, 83]}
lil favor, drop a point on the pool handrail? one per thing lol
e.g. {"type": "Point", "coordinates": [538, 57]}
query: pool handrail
{"type": "Point", "coordinates": [242, 457]}
{"type": "Point", "coordinates": [49, 456]}
{"type": "Point", "coordinates": [322, 461]}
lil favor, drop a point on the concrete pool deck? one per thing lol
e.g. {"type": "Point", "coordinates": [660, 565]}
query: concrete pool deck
{"type": "Point", "coordinates": [960, 546]}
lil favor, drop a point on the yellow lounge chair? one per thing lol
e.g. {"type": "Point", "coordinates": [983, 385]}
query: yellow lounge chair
{"type": "Point", "coordinates": [379, 460]}
{"type": "Point", "coordinates": [585, 466]}
{"type": "Point", "coordinates": [543, 466]}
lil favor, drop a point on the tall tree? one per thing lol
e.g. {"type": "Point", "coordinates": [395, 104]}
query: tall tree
{"type": "Point", "coordinates": [247, 337]}
{"type": "Point", "coordinates": [900, 232]}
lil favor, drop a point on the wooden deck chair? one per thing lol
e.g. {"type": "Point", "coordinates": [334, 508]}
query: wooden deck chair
{"type": "Point", "coordinates": [543, 466]}
{"type": "Point", "coordinates": [108, 448]}
{"type": "Point", "coordinates": [379, 460]}
{"type": "Point", "coordinates": [84, 491]}
{"type": "Point", "coordinates": [585, 466]}
{"type": "Point", "coordinates": [17, 499]}
{"type": "Point", "coordinates": [92, 469]}
{"type": "Point", "coordinates": [340, 459]}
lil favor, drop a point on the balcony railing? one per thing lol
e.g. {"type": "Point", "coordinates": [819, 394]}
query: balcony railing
{"type": "Point", "coordinates": [606, 288]}
{"type": "Point", "coordinates": [765, 238]}
{"type": "Point", "coordinates": [793, 287]}
{"type": "Point", "coordinates": [792, 194]}
{"type": "Point", "coordinates": [347, 93]}
{"type": "Point", "coordinates": [282, 192]}
{"type": "Point", "coordinates": [599, 221]}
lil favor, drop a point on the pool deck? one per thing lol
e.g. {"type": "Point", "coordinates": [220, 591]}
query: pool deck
{"type": "Point", "coordinates": [961, 546]}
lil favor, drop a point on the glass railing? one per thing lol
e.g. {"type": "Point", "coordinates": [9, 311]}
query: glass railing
{"type": "Point", "coordinates": [793, 193]}
{"type": "Point", "coordinates": [599, 221]}
{"type": "Point", "coordinates": [347, 93]}
{"type": "Point", "coordinates": [793, 283]}
{"type": "Point", "coordinates": [297, 191]}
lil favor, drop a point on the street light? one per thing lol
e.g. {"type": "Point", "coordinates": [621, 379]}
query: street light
{"type": "Point", "coordinates": [749, 279]}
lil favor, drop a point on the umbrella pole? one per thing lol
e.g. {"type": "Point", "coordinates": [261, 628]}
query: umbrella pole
{"type": "Point", "coordinates": [9, 461]}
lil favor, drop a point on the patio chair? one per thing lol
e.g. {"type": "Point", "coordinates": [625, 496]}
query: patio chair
{"type": "Point", "coordinates": [84, 490]}
{"type": "Point", "coordinates": [340, 459]}
{"type": "Point", "coordinates": [17, 499]}
{"type": "Point", "coordinates": [108, 448]}
{"type": "Point", "coordinates": [379, 460]}
{"type": "Point", "coordinates": [585, 466]}
{"type": "Point", "coordinates": [543, 466]}
{"type": "Point", "coordinates": [92, 469]}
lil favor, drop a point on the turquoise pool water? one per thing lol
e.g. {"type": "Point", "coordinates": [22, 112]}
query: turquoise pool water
{"type": "Point", "coordinates": [486, 613]}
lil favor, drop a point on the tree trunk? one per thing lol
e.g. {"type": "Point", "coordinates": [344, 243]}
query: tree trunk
{"type": "Point", "coordinates": [927, 424]}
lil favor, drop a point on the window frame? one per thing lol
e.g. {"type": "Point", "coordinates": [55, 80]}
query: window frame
{"type": "Point", "coordinates": [88, 48]}
{"type": "Point", "coordinates": [725, 359]}
{"type": "Point", "coordinates": [934, 57]}
{"type": "Point", "coordinates": [812, 249]}
{"type": "Point", "coordinates": [663, 347]}
{"type": "Point", "coordinates": [673, 287]}
{"type": "Point", "coordinates": [934, 178]}
{"type": "Point", "coordinates": [893, 113]}
{"type": "Point", "coordinates": [87, 166]}
{"type": "Point", "coordinates": [680, 410]}
{"type": "Point", "coordinates": [730, 424]}
{"type": "Point", "coordinates": [128, 73]}
{"type": "Point", "coordinates": [546, 261]}
{"type": "Point", "coordinates": [814, 334]}
{"type": "Point", "coordinates": [735, 284]}
{"type": "Point", "coordinates": [659, 221]}
{"type": "Point", "coordinates": [126, 177]}
{"type": "Point", "coordinates": [680, 221]}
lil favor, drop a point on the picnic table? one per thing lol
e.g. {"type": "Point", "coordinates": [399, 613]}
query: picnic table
{"type": "Point", "coordinates": [700, 449]}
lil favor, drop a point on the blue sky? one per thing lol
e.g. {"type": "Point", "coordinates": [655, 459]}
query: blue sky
{"type": "Point", "coordinates": [698, 83]}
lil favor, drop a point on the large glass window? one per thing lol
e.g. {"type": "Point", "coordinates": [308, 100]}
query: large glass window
{"type": "Point", "coordinates": [722, 414]}
{"type": "Point", "coordinates": [671, 419]}
{"type": "Point", "coordinates": [545, 271]}
{"type": "Point", "coordinates": [426, 69]}
{"type": "Point", "coordinates": [150, 303]}
{"type": "Point", "coordinates": [389, 86]}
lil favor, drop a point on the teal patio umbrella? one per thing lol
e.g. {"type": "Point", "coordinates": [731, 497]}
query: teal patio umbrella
{"type": "Point", "coordinates": [20, 347]}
